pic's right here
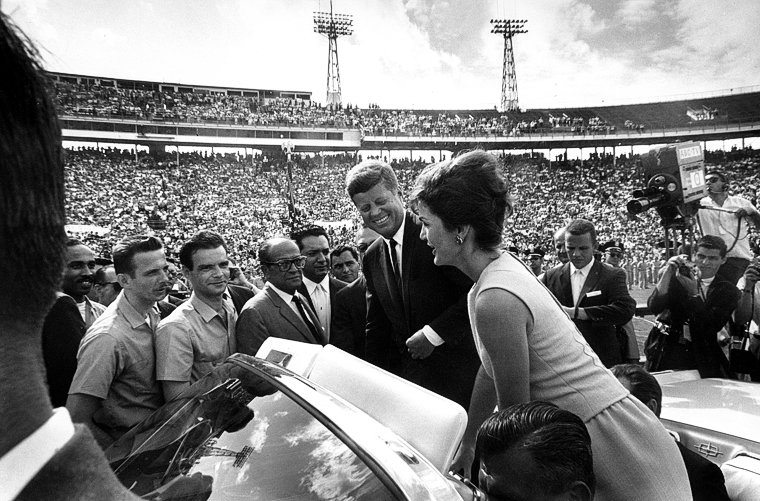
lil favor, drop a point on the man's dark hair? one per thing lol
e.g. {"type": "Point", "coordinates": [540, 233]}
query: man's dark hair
{"type": "Point", "coordinates": [32, 212]}
{"type": "Point", "coordinates": [713, 242]}
{"type": "Point", "coordinates": [99, 277]}
{"type": "Point", "coordinates": [366, 175]}
{"type": "Point", "coordinates": [580, 227]}
{"type": "Point", "coordinates": [124, 251]}
{"type": "Point", "coordinates": [310, 231]}
{"type": "Point", "coordinates": [644, 386]}
{"type": "Point", "coordinates": [204, 239]}
{"type": "Point", "coordinates": [556, 439]}
{"type": "Point", "coordinates": [344, 248]}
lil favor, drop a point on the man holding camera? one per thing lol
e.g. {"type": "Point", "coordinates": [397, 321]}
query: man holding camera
{"type": "Point", "coordinates": [699, 303]}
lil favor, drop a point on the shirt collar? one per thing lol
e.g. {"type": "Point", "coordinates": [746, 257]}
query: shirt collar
{"type": "Point", "coordinates": [585, 270]}
{"type": "Point", "coordinates": [310, 286]}
{"type": "Point", "coordinates": [19, 465]}
{"type": "Point", "coordinates": [399, 235]}
{"type": "Point", "coordinates": [206, 312]}
{"type": "Point", "coordinates": [284, 295]}
{"type": "Point", "coordinates": [129, 311]}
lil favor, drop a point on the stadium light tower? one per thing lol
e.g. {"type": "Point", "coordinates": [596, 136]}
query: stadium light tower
{"type": "Point", "coordinates": [508, 28]}
{"type": "Point", "coordinates": [332, 26]}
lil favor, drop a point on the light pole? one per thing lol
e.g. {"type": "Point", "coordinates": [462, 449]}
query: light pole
{"type": "Point", "coordinates": [508, 28]}
{"type": "Point", "coordinates": [332, 26]}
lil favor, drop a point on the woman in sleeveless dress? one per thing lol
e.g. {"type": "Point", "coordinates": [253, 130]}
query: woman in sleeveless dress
{"type": "Point", "coordinates": [529, 347]}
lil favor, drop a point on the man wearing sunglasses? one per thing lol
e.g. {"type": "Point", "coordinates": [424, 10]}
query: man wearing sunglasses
{"type": "Point", "coordinates": [106, 286]}
{"type": "Point", "coordinates": [279, 310]}
{"type": "Point", "coordinates": [726, 216]}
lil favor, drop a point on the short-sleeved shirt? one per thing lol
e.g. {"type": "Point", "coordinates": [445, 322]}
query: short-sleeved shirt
{"type": "Point", "coordinates": [116, 363]}
{"type": "Point", "coordinates": [193, 340]}
{"type": "Point", "coordinates": [726, 225]}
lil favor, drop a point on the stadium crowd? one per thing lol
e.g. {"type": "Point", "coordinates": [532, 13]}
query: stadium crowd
{"type": "Point", "coordinates": [245, 199]}
{"type": "Point", "coordinates": [164, 105]}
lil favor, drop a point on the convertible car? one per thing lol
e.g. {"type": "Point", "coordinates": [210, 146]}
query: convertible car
{"type": "Point", "coordinates": [298, 422]}
{"type": "Point", "coordinates": [719, 419]}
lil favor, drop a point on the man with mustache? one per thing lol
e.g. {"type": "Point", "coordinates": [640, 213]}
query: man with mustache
{"type": "Point", "coordinates": [115, 386]}
{"type": "Point", "coordinates": [72, 314]}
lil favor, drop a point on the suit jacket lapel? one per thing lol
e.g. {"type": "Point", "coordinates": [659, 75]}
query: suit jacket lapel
{"type": "Point", "coordinates": [288, 314]}
{"type": "Point", "coordinates": [591, 280]}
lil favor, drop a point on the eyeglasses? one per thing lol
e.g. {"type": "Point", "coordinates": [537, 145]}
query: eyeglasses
{"type": "Point", "coordinates": [285, 264]}
{"type": "Point", "coordinates": [116, 285]}
{"type": "Point", "coordinates": [712, 180]}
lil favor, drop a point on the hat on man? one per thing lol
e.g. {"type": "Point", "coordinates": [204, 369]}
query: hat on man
{"type": "Point", "coordinates": [612, 245]}
{"type": "Point", "coordinates": [533, 251]}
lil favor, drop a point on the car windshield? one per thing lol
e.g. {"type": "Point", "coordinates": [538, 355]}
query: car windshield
{"type": "Point", "coordinates": [233, 435]}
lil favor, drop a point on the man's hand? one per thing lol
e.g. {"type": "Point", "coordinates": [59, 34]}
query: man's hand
{"type": "Point", "coordinates": [751, 276]}
{"type": "Point", "coordinates": [419, 346]}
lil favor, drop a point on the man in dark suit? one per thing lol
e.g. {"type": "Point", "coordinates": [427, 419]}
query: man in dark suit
{"type": "Point", "coordinates": [61, 461]}
{"type": "Point", "coordinates": [592, 293]}
{"type": "Point", "coordinates": [350, 323]}
{"type": "Point", "coordinates": [417, 321]}
{"type": "Point", "coordinates": [705, 477]}
{"type": "Point", "coordinates": [317, 286]}
{"type": "Point", "coordinates": [279, 310]}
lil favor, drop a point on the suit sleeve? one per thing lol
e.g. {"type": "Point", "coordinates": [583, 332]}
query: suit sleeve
{"type": "Point", "coordinates": [378, 331]}
{"type": "Point", "coordinates": [250, 331]}
{"type": "Point", "coordinates": [341, 331]}
{"type": "Point", "coordinates": [453, 324]}
{"type": "Point", "coordinates": [620, 306]}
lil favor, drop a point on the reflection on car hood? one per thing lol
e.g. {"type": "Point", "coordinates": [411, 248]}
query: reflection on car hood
{"type": "Point", "coordinates": [726, 406]}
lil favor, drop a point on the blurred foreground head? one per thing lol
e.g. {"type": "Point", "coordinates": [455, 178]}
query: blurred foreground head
{"type": "Point", "coordinates": [32, 216]}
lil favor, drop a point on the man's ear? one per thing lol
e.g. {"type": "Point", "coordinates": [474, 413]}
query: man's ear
{"type": "Point", "coordinates": [579, 491]}
{"type": "Point", "coordinates": [123, 280]}
{"type": "Point", "coordinates": [652, 404]}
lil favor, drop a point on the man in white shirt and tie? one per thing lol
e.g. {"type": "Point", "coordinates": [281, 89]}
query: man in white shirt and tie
{"type": "Point", "coordinates": [318, 287]}
{"type": "Point", "coordinates": [593, 294]}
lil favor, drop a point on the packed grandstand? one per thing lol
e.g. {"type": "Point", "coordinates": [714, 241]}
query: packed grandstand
{"type": "Point", "coordinates": [113, 192]}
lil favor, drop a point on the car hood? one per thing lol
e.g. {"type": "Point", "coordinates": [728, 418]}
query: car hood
{"type": "Point", "coordinates": [725, 406]}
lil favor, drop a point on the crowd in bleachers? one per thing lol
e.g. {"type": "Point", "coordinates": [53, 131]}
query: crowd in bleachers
{"type": "Point", "coordinates": [115, 102]}
{"type": "Point", "coordinates": [245, 198]}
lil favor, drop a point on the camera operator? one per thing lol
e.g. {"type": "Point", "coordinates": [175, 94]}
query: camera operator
{"type": "Point", "coordinates": [723, 215]}
{"type": "Point", "coordinates": [699, 302]}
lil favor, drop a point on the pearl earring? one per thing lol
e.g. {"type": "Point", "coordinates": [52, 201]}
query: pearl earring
{"type": "Point", "coordinates": [459, 240]}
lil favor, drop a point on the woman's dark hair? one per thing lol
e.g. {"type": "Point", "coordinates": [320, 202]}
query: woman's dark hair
{"type": "Point", "coordinates": [467, 190]}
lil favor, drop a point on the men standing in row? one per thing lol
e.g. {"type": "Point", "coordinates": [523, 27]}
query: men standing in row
{"type": "Point", "coordinates": [72, 314]}
{"type": "Point", "coordinates": [592, 293]}
{"type": "Point", "coordinates": [417, 322]}
{"type": "Point", "coordinates": [350, 325]}
{"type": "Point", "coordinates": [200, 333]}
{"type": "Point", "coordinates": [279, 310]}
{"type": "Point", "coordinates": [115, 384]}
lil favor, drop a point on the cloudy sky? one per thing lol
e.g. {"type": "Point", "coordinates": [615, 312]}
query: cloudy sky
{"type": "Point", "coordinates": [411, 53]}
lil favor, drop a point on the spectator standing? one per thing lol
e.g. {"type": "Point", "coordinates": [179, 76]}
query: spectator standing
{"type": "Point", "coordinates": [536, 260]}
{"type": "Point", "coordinates": [200, 333]}
{"type": "Point", "coordinates": [417, 323]}
{"type": "Point", "coordinates": [345, 263]}
{"type": "Point", "coordinates": [592, 293]}
{"type": "Point", "coordinates": [115, 385]}
{"type": "Point", "coordinates": [68, 320]}
{"type": "Point", "coordinates": [725, 216]}
{"type": "Point", "coordinates": [106, 286]}
{"type": "Point", "coordinates": [614, 250]}
{"type": "Point", "coordinates": [318, 287]}
{"type": "Point", "coordinates": [279, 310]}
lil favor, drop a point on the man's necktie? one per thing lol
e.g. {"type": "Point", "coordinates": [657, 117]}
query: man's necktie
{"type": "Point", "coordinates": [320, 300]}
{"type": "Point", "coordinates": [307, 320]}
{"type": "Point", "coordinates": [395, 264]}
